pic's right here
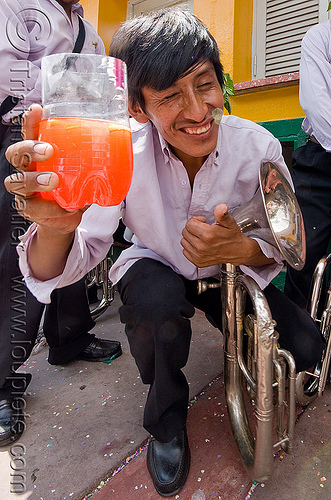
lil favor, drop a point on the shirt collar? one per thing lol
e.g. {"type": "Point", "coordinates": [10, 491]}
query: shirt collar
{"type": "Point", "coordinates": [78, 8]}
{"type": "Point", "coordinates": [164, 146]}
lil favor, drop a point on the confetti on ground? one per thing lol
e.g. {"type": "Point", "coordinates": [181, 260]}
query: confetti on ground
{"type": "Point", "coordinates": [252, 489]}
{"type": "Point", "coordinates": [123, 464]}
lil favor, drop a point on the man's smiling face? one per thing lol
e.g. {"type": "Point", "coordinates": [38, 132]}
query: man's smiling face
{"type": "Point", "coordinates": [183, 113]}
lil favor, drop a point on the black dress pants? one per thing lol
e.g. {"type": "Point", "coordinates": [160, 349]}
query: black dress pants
{"type": "Point", "coordinates": [157, 307]}
{"type": "Point", "coordinates": [312, 182]}
{"type": "Point", "coordinates": [67, 318]}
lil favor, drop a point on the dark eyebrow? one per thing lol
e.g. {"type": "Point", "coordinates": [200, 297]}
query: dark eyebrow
{"type": "Point", "coordinates": [209, 69]}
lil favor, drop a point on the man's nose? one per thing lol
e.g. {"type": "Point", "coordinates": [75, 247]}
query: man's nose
{"type": "Point", "coordinates": [195, 107]}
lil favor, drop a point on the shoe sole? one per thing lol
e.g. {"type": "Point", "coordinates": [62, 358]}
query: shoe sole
{"type": "Point", "coordinates": [106, 358]}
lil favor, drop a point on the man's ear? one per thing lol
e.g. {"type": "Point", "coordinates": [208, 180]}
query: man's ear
{"type": "Point", "coordinates": [137, 113]}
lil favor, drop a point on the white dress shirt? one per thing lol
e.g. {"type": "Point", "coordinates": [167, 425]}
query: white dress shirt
{"type": "Point", "coordinates": [160, 202]}
{"type": "Point", "coordinates": [315, 83]}
{"type": "Point", "coordinates": [32, 30]}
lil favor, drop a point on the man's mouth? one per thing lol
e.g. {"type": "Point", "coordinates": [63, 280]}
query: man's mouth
{"type": "Point", "coordinates": [197, 130]}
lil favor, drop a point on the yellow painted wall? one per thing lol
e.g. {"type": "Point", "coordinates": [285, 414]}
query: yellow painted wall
{"type": "Point", "coordinates": [230, 22]}
{"type": "Point", "coordinates": [218, 16]}
{"type": "Point", "coordinates": [266, 105]}
{"type": "Point", "coordinates": [111, 14]}
{"type": "Point", "coordinates": [91, 12]}
{"type": "Point", "coordinates": [105, 15]}
{"type": "Point", "coordinates": [242, 46]}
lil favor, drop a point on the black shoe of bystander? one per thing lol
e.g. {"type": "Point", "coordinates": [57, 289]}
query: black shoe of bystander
{"type": "Point", "coordinates": [12, 422]}
{"type": "Point", "coordinates": [101, 350]}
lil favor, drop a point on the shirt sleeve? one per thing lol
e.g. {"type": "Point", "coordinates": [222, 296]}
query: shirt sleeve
{"type": "Point", "coordinates": [31, 33]}
{"type": "Point", "coordinates": [18, 76]}
{"type": "Point", "coordinates": [315, 83]}
{"type": "Point", "coordinates": [263, 275]}
{"type": "Point", "coordinates": [92, 241]}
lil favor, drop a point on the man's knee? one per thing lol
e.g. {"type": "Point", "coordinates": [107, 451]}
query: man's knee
{"type": "Point", "coordinates": [152, 291]}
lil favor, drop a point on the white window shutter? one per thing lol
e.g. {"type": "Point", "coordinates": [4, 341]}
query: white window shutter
{"type": "Point", "coordinates": [286, 23]}
{"type": "Point", "coordinates": [278, 29]}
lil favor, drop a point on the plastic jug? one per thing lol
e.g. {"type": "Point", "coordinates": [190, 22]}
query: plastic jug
{"type": "Point", "coordinates": [85, 118]}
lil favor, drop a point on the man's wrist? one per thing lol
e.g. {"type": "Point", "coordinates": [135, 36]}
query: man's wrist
{"type": "Point", "coordinates": [48, 252]}
{"type": "Point", "coordinates": [254, 255]}
{"type": "Point", "coordinates": [51, 234]}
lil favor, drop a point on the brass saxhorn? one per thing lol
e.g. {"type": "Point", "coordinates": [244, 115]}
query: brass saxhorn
{"type": "Point", "coordinates": [99, 277]}
{"type": "Point", "coordinates": [310, 385]}
{"type": "Point", "coordinates": [272, 215]}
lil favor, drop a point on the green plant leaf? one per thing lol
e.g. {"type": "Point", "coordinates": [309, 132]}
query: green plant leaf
{"type": "Point", "coordinates": [228, 90]}
{"type": "Point", "coordinates": [227, 104]}
{"type": "Point", "coordinates": [329, 7]}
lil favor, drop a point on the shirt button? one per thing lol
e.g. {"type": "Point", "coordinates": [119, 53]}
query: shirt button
{"type": "Point", "coordinates": [183, 183]}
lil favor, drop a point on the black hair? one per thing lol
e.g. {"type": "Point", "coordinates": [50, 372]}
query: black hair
{"type": "Point", "coordinates": [161, 47]}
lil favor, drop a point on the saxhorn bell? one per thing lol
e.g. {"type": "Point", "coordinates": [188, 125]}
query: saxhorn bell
{"type": "Point", "coordinates": [273, 215]}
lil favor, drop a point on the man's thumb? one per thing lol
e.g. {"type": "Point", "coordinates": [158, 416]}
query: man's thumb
{"type": "Point", "coordinates": [222, 216]}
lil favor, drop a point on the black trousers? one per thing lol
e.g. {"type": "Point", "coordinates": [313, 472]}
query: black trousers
{"type": "Point", "coordinates": [312, 181]}
{"type": "Point", "coordinates": [157, 307]}
{"type": "Point", "coordinates": [67, 319]}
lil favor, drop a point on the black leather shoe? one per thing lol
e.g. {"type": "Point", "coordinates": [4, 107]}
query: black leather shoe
{"type": "Point", "coordinates": [168, 464]}
{"type": "Point", "coordinates": [12, 422]}
{"type": "Point", "coordinates": [101, 350]}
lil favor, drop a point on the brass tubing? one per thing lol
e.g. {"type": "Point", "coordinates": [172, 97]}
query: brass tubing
{"type": "Point", "coordinates": [257, 454]}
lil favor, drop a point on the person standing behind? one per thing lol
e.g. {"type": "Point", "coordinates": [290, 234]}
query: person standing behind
{"type": "Point", "coordinates": [33, 30]}
{"type": "Point", "coordinates": [312, 162]}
